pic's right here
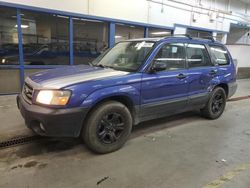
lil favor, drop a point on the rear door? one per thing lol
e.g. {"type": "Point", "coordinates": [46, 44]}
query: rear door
{"type": "Point", "coordinates": [200, 73]}
{"type": "Point", "coordinates": [165, 92]}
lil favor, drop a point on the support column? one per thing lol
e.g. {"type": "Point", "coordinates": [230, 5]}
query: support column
{"type": "Point", "coordinates": [111, 34]}
{"type": "Point", "coordinates": [145, 32]}
{"type": "Point", "coordinates": [20, 47]}
{"type": "Point", "coordinates": [71, 41]}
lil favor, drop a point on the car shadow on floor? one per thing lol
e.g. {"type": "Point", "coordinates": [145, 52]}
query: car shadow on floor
{"type": "Point", "coordinates": [57, 145]}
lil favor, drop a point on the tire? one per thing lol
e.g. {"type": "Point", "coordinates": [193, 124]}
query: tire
{"type": "Point", "coordinates": [216, 104]}
{"type": "Point", "coordinates": [108, 127]}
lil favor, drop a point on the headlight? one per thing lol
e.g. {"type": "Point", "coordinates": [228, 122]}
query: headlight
{"type": "Point", "coordinates": [3, 61]}
{"type": "Point", "coordinates": [53, 97]}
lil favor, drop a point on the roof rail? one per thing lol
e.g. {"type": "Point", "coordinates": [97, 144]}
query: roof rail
{"type": "Point", "coordinates": [209, 37]}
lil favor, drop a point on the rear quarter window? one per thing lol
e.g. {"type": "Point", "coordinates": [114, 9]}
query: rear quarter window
{"type": "Point", "coordinates": [220, 54]}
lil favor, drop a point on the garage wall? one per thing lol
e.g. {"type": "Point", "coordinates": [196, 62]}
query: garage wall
{"type": "Point", "coordinates": [213, 15]}
{"type": "Point", "coordinates": [242, 55]}
{"type": "Point", "coordinates": [239, 36]}
{"type": "Point", "coordinates": [208, 14]}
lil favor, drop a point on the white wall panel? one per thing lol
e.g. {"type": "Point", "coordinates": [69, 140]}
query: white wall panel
{"type": "Point", "coordinates": [122, 9]}
{"type": "Point", "coordinates": [159, 12]}
{"type": "Point", "coordinates": [241, 53]}
{"type": "Point", "coordinates": [238, 6]}
{"type": "Point", "coordinates": [78, 6]}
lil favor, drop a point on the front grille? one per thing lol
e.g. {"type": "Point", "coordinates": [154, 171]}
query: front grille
{"type": "Point", "coordinates": [27, 92]}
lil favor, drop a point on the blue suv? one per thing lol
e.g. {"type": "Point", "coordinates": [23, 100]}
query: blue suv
{"type": "Point", "coordinates": [135, 81]}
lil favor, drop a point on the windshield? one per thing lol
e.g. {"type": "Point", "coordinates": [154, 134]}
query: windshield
{"type": "Point", "coordinates": [125, 56]}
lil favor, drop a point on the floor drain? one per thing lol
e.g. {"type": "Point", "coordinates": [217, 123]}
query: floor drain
{"type": "Point", "coordinates": [18, 141]}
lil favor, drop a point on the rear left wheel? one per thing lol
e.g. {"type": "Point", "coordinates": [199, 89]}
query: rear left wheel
{"type": "Point", "coordinates": [108, 127]}
{"type": "Point", "coordinates": [216, 104]}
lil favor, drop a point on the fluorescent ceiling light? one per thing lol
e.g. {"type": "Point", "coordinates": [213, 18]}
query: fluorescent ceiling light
{"type": "Point", "coordinates": [119, 24]}
{"type": "Point", "coordinates": [161, 33]}
{"type": "Point", "coordinates": [117, 36]}
{"type": "Point", "coordinates": [87, 20]}
{"type": "Point", "coordinates": [59, 16]}
{"type": "Point", "coordinates": [23, 26]}
{"type": "Point", "coordinates": [15, 15]}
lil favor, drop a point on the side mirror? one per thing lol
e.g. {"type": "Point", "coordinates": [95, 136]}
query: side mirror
{"type": "Point", "coordinates": [158, 66]}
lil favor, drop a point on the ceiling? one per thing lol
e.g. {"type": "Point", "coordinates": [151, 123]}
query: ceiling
{"type": "Point", "coordinates": [245, 1]}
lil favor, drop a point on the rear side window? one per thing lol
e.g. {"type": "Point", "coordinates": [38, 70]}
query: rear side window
{"type": "Point", "coordinates": [197, 56]}
{"type": "Point", "coordinates": [173, 55]}
{"type": "Point", "coordinates": [220, 55]}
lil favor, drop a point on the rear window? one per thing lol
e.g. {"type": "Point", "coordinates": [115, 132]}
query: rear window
{"type": "Point", "coordinates": [197, 56]}
{"type": "Point", "coordinates": [220, 55]}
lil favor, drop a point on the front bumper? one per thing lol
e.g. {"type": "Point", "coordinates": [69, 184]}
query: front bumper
{"type": "Point", "coordinates": [55, 122]}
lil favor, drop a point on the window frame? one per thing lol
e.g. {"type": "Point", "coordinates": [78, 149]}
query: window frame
{"type": "Point", "coordinates": [208, 53]}
{"type": "Point", "coordinates": [161, 46]}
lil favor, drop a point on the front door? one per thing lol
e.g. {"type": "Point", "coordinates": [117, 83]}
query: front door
{"type": "Point", "coordinates": [165, 92]}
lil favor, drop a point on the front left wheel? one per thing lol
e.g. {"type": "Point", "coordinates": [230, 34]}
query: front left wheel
{"type": "Point", "coordinates": [108, 127]}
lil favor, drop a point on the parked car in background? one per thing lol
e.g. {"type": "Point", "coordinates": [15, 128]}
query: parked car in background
{"type": "Point", "coordinates": [135, 81]}
{"type": "Point", "coordinates": [51, 53]}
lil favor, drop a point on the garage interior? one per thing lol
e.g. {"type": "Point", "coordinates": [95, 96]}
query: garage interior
{"type": "Point", "coordinates": [179, 151]}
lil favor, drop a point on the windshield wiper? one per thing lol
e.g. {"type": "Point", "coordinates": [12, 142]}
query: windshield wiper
{"type": "Point", "coordinates": [91, 64]}
{"type": "Point", "coordinates": [104, 66]}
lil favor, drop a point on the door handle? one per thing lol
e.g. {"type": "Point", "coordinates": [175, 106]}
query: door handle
{"type": "Point", "coordinates": [213, 72]}
{"type": "Point", "coordinates": [181, 76]}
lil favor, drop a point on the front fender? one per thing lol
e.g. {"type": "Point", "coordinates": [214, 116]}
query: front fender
{"type": "Point", "coordinates": [115, 91]}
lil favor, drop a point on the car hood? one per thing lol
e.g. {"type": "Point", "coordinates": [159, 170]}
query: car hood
{"type": "Point", "coordinates": [65, 76]}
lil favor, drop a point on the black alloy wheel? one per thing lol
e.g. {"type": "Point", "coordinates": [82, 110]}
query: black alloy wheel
{"type": "Point", "coordinates": [108, 127]}
{"type": "Point", "coordinates": [111, 127]}
{"type": "Point", "coordinates": [216, 104]}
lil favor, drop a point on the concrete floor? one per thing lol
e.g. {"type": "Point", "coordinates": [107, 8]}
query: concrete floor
{"type": "Point", "coordinates": [180, 151]}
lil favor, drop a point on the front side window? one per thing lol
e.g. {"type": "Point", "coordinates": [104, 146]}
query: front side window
{"type": "Point", "coordinates": [125, 32]}
{"type": "Point", "coordinates": [197, 56]}
{"type": "Point", "coordinates": [90, 39]}
{"type": "Point", "coordinates": [173, 55]}
{"type": "Point", "coordinates": [9, 52]}
{"type": "Point", "coordinates": [125, 56]}
{"type": "Point", "coordinates": [220, 54]}
{"type": "Point", "coordinates": [45, 38]}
